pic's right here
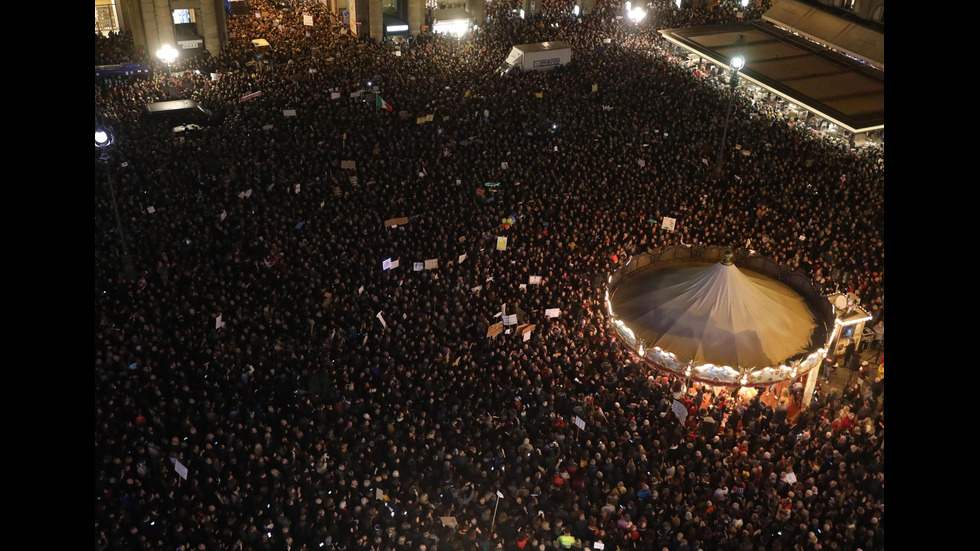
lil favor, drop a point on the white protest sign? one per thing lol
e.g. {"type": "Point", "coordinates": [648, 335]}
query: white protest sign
{"type": "Point", "coordinates": [398, 53]}
{"type": "Point", "coordinates": [668, 223]}
{"type": "Point", "coordinates": [218, 324]}
{"type": "Point", "coordinates": [462, 257]}
{"type": "Point", "coordinates": [394, 264]}
{"type": "Point", "coordinates": [477, 288]}
{"type": "Point", "coordinates": [527, 336]}
{"type": "Point", "coordinates": [523, 286]}
{"type": "Point", "coordinates": [416, 266]}
{"type": "Point", "coordinates": [334, 95]}
{"type": "Point", "coordinates": [151, 210]}
{"type": "Point", "coordinates": [308, 20]}
{"type": "Point", "coordinates": [378, 315]}
{"type": "Point", "coordinates": [386, 264]}
{"type": "Point", "coordinates": [552, 312]}
{"type": "Point", "coordinates": [180, 468]}
{"type": "Point", "coordinates": [510, 319]}
{"type": "Point", "coordinates": [432, 264]}
{"type": "Point", "coordinates": [534, 280]}
{"type": "Point", "coordinates": [579, 422]}
{"type": "Point", "coordinates": [598, 545]}
{"type": "Point", "coordinates": [680, 411]}
{"type": "Point", "coordinates": [289, 112]}
{"type": "Point", "coordinates": [503, 165]}
{"type": "Point", "coordinates": [791, 478]}
{"type": "Point", "coordinates": [641, 162]}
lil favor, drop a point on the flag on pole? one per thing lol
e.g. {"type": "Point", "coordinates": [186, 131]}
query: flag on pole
{"type": "Point", "coordinates": [380, 102]}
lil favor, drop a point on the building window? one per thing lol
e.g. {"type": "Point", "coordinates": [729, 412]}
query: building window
{"type": "Point", "coordinates": [105, 19]}
{"type": "Point", "coordinates": [183, 16]}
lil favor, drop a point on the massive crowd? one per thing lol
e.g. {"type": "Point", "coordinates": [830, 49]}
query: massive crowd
{"type": "Point", "coordinates": [265, 383]}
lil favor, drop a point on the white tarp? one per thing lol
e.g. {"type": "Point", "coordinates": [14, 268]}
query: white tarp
{"type": "Point", "coordinates": [713, 313]}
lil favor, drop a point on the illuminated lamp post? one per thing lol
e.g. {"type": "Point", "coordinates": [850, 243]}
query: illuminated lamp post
{"type": "Point", "coordinates": [103, 141]}
{"type": "Point", "coordinates": [737, 63]}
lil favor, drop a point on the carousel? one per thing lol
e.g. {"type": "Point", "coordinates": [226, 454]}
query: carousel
{"type": "Point", "coordinates": [720, 318]}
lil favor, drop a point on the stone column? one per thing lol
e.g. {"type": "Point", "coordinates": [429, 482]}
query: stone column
{"type": "Point", "coordinates": [148, 25]}
{"type": "Point", "coordinates": [376, 20]}
{"type": "Point", "coordinates": [415, 17]}
{"type": "Point", "coordinates": [208, 27]}
{"type": "Point", "coordinates": [477, 10]}
{"type": "Point", "coordinates": [164, 21]}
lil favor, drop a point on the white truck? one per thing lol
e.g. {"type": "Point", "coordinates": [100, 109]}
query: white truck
{"type": "Point", "coordinates": [537, 56]}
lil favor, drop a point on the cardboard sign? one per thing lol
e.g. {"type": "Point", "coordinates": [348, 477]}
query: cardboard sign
{"type": "Point", "coordinates": [334, 95]}
{"type": "Point", "coordinates": [350, 165]}
{"type": "Point", "coordinates": [181, 469]}
{"type": "Point", "coordinates": [462, 257]}
{"type": "Point", "coordinates": [432, 264]}
{"type": "Point", "coordinates": [392, 222]}
{"type": "Point", "coordinates": [495, 329]}
{"type": "Point", "coordinates": [680, 411]}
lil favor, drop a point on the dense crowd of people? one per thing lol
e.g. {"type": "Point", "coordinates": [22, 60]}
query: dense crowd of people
{"type": "Point", "coordinates": [269, 381]}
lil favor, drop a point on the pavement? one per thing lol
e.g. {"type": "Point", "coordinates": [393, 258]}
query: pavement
{"type": "Point", "coordinates": [840, 375]}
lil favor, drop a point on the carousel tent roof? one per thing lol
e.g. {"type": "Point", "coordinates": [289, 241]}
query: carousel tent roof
{"type": "Point", "coordinates": [716, 313]}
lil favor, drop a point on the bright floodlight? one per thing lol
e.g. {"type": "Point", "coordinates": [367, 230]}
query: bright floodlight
{"type": "Point", "coordinates": [637, 14]}
{"type": "Point", "coordinates": [102, 138]}
{"type": "Point", "coordinates": [628, 5]}
{"type": "Point", "coordinates": [522, 14]}
{"type": "Point", "coordinates": [576, 10]}
{"type": "Point", "coordinates": [738, 62]}
{"type": "Point", "coordinates": [678, 4]}
{"type": "Point", "coordinates": [167, 54]}
{"type": "Point", "coordinates": [745, 3]}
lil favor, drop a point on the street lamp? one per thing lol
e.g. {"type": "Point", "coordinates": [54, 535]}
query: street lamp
{"type": "Point", "coordinates": [103, 141]}
{"type": "Point", "coordinates": [737, 62]}
{"type": "Point", "coordinates": [168, 55]}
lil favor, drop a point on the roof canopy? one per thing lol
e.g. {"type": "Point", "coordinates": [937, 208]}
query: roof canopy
{"type": "Point", "coordinates": [831, 83]}
{"type": "Point", "coordinates": [852, 37]}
